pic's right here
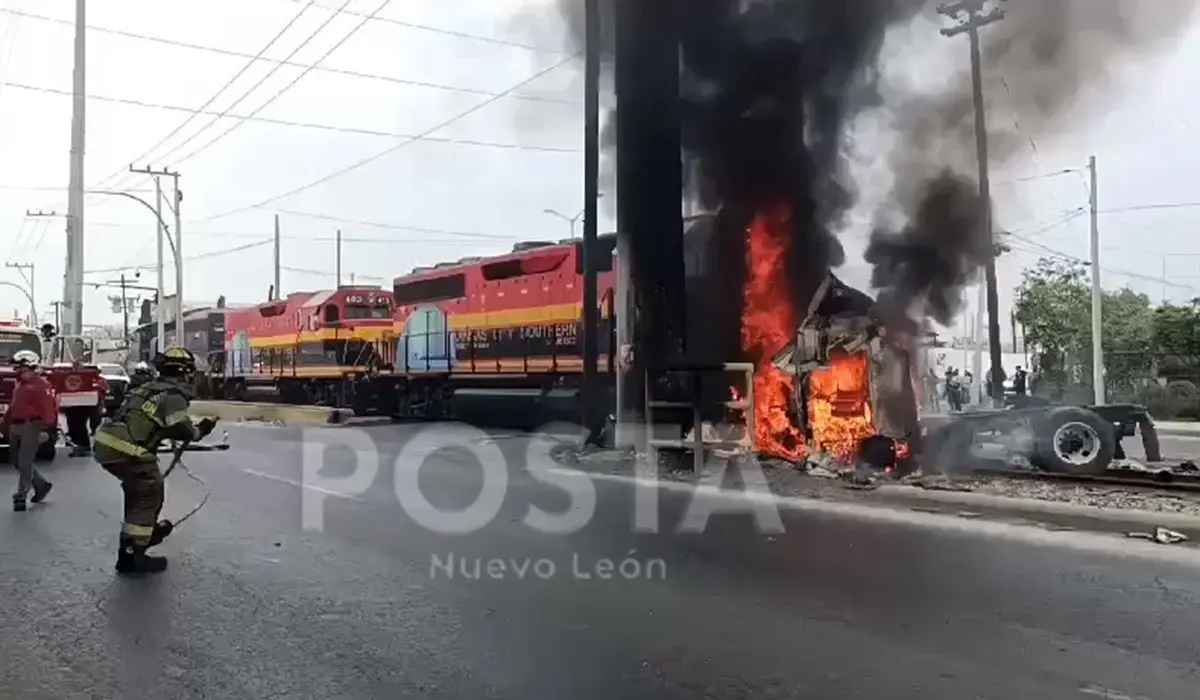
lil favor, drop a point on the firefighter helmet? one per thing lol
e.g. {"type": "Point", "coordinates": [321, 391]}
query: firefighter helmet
{"type": "Point", "coordinates": [175, 361]}
{"type": "Point", "coordinates": [26, 359]}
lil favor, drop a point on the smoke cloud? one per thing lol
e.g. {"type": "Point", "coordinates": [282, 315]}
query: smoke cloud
{"type": "Point", "coordinates": [772, 87]}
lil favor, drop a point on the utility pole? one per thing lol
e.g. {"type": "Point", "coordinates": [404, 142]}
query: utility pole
{"type": "Point", "coordinates": [278, 293]}
{"type": "Point", "coordinates": [57, 313]}
{"type": "Point", "coordinates": [976, 19]}
{"type": "Point", "coordinates": [339, 258]}
{"type": "Point", "coordinates": [1097, 293]}
{"type": "Point", "coordinates": [178, 246]}
{"type": "Point", "coordinates": [73, 279]}
{"type": "Point", "coordinates": [29, 282]}
{"type": "Point", "coordinates": [593, 408]}
{"type": "Point", "coordinates": [124, 285]}
{"type": "Point", "coordinates": [123, 303]}
{"type": "Point", "coordinates": [160, 325]}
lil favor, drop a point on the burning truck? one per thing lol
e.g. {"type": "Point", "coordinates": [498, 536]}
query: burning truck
{"type": "Point", "coordinates": [833, 381]}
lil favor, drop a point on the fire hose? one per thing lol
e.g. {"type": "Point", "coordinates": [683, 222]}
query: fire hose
{"type": "Point", "coordinates": [177, 450]}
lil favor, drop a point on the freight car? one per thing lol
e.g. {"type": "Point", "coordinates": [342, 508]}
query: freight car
{"type": "Point", "coordinates": [309, 348]}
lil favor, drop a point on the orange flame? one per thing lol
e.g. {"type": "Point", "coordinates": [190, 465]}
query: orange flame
{"type": "Point", "coordinates": [839, 405]}
{"type": "Point", "coordinates": [768, 325]}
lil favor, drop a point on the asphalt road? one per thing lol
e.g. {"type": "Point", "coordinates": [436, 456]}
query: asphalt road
{"type": "Point", "coordinates": [255, 607]}
{"type": "Point", "coordinates": [1174, 447]}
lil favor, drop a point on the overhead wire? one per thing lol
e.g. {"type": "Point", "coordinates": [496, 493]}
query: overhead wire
{"type": "Point", "coordinates": [286, 122]}
{"type": "Point", "coordinates": [451, 32]}
{"type": "Point", "coordinates": [178, 160]}
{"type": "Point", "coordinates": [290, 64]}
{"type": "Point", "coordinates": [229, 83]}
{"type": "Point", "coordinates": [393, 227]}
{"type": "Point", "coordinates": [188, 258]}
{"type": "Point", "coordinates": [387, 151]}
{"type": "Point", "coordinates": [326, 273]}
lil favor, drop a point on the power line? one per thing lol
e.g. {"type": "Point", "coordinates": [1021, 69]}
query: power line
{"type": "Point", "coordinates": [323, 273]}
{"type": "Point", "coordinates": [279, 93]}
{"type": "Point", "coordinates": [291, 64]}
{"type": "Point", "coordinates": [451, 32]}
{"type": "Point", "coordinates": [177, 161]}
{"type": "Point", "coordinates": [1152, 207]}
{"type": "Point", "coordinates": [392, 149]}
{"type": "Point", "coordinates": [394, 227]}
{"type": "Point", "coordinates": [215, 95]}
{"type": "Point", "coordinates": [200, 256]}
{"type": "Point", "coordinates": [284, 122]}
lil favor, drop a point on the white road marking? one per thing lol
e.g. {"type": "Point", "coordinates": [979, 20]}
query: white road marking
{"type": "Point", "coordinates": [299, 485]}
{"type": "Point", "coordinates": [1109, 694]}
{"type": "Point", "coordinates": [1077, 540]}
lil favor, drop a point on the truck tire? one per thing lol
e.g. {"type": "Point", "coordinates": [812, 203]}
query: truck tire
{"type": "Point", "coordinates": [1182, 398]}
{"type": "Point", "coordinates": [1073, 440]}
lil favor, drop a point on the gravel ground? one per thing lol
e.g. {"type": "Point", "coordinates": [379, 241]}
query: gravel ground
{"type": "Point", "coordinates": [785, 480]}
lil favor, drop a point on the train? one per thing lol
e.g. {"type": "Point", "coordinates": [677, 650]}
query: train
{"type": "Point", "coordinates": [476, 330]}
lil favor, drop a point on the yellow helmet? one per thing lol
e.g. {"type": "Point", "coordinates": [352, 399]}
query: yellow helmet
{"type": "Point", "coordinates": [175, 361]}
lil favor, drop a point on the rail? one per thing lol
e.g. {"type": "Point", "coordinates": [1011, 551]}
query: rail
{"type": "Point", "coordinates": [698, 444]}
{"type": "Point", "coordinates": [1160, 480]}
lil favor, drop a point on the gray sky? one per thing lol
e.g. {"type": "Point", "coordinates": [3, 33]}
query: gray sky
{"type": "Point", "coordinates": [469, 197]}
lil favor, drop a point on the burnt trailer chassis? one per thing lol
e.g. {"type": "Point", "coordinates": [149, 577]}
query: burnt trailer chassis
{"type": "Point", "coordinates": [1081, 440]}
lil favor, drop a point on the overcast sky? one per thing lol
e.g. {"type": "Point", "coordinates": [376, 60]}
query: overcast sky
{"type": "Point", "coordinates": [471, 188]}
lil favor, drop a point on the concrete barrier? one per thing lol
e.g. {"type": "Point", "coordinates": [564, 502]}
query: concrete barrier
{"type": "Point", "coordinates": [236, 411]}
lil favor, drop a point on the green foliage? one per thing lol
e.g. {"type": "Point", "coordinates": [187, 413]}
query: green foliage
{"type": "Point", "coordinates": [1054, 304]}
{"type": "Point", "coordinates": [1177, 329]}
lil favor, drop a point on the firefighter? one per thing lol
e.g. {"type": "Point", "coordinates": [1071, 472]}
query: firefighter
{"type": "Point", "coordinates": [142, 373]}
{"type": "Point", "coordinates": [126, 446]}
{"type": "Point", "coordinates": [27, 422]}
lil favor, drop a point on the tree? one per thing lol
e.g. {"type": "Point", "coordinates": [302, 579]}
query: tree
{"type": "Point", "coordinates": [1054, 306]}
{"type": "Point", "coordinates": [1177, 329]}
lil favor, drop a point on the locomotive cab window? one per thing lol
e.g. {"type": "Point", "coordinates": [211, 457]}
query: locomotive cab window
{"type": "Point", "coordinates": [331, 314]}
{"type": "Point", "coordinates": [367, 307]}
{"type": "Point", "coordinates": [434, 289]}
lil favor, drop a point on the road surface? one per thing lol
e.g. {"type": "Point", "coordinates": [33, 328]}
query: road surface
{"type": "Point", "coordinates": [255, 607]}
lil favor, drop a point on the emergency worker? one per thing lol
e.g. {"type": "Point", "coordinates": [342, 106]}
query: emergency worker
{"type": "Point", "coordinates": [142, 373]}
{"type": "Point", "coordinates": [126, 446]}
{"type": "Point", "coordinates": [28, 422]}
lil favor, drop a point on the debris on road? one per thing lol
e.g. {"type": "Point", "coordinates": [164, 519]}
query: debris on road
{"type": "Point", "coordinates": [1161, 535]}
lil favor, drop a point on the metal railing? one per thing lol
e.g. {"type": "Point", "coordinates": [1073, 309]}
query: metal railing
{"type": "Point", "coordinates": [698, 444]}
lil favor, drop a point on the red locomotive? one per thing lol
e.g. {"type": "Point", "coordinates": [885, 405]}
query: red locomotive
{"type": "Point", "coordinates": [306, 346]}
{"type": "Point", "coordinates": [516, 313]}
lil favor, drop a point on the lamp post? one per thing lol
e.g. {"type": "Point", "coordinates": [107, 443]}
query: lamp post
{"type": "Point", "coordinates": [571, 220]}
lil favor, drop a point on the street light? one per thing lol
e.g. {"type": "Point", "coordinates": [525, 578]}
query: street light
{"type": "Point", "coordinates": [32, 308]}
{"type": "Point", "coordinates": [572, 220]}
{"type": "Point", "coordinates": [165, 232]}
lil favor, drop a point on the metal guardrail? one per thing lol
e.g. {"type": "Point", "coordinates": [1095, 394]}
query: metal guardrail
{"type": "Point", "coordinates": [698, 444]}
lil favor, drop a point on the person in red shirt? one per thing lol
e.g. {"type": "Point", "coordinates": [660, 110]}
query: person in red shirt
{"type": "Point", "coordinates": [26, 423]}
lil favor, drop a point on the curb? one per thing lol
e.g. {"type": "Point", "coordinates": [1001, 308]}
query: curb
{"type": "Point", "coordinates": [273, 413]}
{"type": "Point", "coordinates": [1034, 506]}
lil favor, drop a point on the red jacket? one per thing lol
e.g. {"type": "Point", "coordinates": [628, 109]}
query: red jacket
{"type": "Point", "coordinates": [32, 400]}
{"type": "Point", "coordinates": [102, 388]}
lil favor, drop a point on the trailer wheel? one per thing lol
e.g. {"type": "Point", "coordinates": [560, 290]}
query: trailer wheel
{"type": "Point", "coordinates": [1073, 440]}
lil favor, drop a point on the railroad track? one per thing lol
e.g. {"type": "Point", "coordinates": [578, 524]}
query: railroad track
{"type": "Point", "coordinates": [1160, 481]}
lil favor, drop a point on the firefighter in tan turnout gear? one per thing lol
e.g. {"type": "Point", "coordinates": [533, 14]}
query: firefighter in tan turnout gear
{"type": "Point", "coordinates": [126, 446]}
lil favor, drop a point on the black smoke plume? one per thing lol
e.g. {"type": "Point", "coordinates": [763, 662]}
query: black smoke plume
{"type": "Point", "coordinates": [772, 87]}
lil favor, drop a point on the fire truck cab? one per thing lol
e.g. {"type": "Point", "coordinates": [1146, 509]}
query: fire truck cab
{"type": "Point", "coordinates": [65, 364]}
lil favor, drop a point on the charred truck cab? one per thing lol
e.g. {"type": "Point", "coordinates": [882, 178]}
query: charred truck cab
{"type": "Point", "coordinates": [852, 386]}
